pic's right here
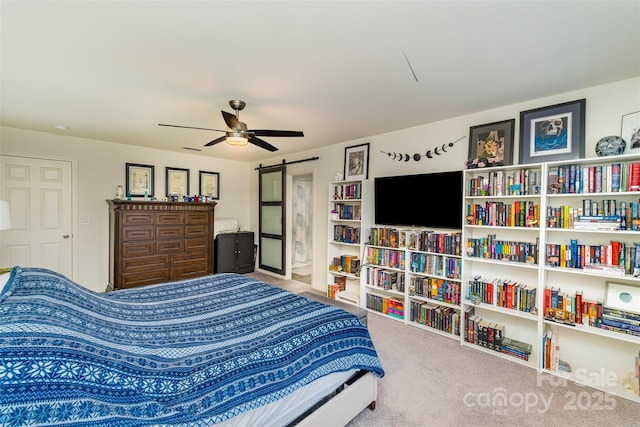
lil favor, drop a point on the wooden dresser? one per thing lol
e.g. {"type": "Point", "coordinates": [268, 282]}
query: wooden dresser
{"type": "Point", "coordinates": [154, 242]}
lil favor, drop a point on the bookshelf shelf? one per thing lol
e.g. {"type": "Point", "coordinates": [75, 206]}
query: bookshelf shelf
{"type": "Point", "coordinates": [501, 263]}
{"type": "Point", "coordinates": [529, 363]}
{"type": "Point", "coordinates": [596, 331]}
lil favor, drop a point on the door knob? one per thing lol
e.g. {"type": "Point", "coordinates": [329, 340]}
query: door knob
{"type": "Point", "coordinates": [66, 236]}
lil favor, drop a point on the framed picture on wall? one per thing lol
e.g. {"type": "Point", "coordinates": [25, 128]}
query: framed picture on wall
{"type": "Point", "coordinates": [493, 141]}
{"type": "Point", "coordinates": [552, 133]}
{"type": "Point", "coordinates": [209, 184]}
{"type": "Point", "coordinates": [177, 181]}
{"type": "Point", "coordinates": [139, 180]}
{"type": "Point", "coordinates": [356, 162]}
{"type": "Point", "coordinates": [630, 131]}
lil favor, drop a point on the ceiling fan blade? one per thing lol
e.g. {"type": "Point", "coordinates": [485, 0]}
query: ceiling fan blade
{"type": "Point", "coordinates": [261, 143]}
{"type": "Point", "coordinates": [189, 127]}
{"type": "Point", "coordinates": [215, 141]}
{"type": "Point", "coordinates": [231, 120]}
{"type": "Point", "coordinates": [268, 132]}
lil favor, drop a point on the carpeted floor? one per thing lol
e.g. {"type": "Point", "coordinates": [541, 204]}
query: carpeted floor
{"type": "Point", "coordinates": [432, 380]}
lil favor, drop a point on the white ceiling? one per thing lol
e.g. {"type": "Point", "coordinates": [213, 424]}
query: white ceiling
{"type": "Point", "coordinates": [336, 70]}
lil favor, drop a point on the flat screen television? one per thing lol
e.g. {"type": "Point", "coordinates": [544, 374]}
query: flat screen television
{"type": "Point", "coordinates": [425, 200]}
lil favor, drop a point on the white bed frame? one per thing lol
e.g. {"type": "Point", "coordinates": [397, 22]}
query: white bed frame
{"type": "Point", "coordinates": [345, 405]}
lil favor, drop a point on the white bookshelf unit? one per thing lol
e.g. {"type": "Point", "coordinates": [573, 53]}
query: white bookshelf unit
{"type": "Point", "coordinates": [350, 211]}
{"type": "Point", "coordinates": [582, 258]}
{"type": "Point", "coordinates": [501, 271]}
{"type": "Point", "coordinates": [554, 297]}
{"type": "Point", "coordinates": [414, 275]}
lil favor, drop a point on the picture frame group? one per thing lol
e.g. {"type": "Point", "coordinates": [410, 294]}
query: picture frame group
{"type": "Point", "coordinates": [551, 133]}
{"type": "Point", "coordinates": [140, 182]}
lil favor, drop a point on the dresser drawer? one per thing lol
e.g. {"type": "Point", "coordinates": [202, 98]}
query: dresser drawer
{"type": "Point", "coordinates": [138, 249]}
{"type": "Point", "coordinates": [145, 264]}
{"type": "Point", "coordinates": [195, 231]}
{"type": "Point", "coordinates": [193, 270]}
{"type": "Point", "coordinates": [172, 232]}
{"type": "Point", "coordinates": [197, 218]}
{"type": "Point", "coordinates": [137, 218]}
{"type": "Point", "coordinates": [141, 279]}
{"type": "Point", "coordinates": [169, 247]}
{"type": "Point", "coordinates": [187, 260]}
{"type": "Point", "coordinates": [170, 218]}
{"type": "Point", "coordinates": [197, 245]}
{"type": "Point", "coordinates": [137, 233]}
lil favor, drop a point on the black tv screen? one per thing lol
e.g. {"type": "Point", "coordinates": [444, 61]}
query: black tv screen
{"type": "Point", "coordinates": [425, 200]}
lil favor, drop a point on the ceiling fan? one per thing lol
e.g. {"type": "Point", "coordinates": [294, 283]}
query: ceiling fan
{"type": "Point", "coordinates": [237, 132]}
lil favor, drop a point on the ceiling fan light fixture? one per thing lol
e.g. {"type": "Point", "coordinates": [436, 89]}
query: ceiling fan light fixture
{"type": "Point", "coordinates": [236, 139]}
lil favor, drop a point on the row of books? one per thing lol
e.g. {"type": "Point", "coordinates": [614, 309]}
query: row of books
{"type": "Point", "coordinates": [620, 257]}
{"type": "Point", "coordinates": [345, 263]}
{"type": "Point", "coordinates": [524, 213]}
{"type": "Point", "coordinates": [622, 215]}
{"type": "Point", "coordinates": [385, 257]}
{"type": "Point", "coordinates": [621, 321]}
{"type": "Point", "coordinates": [503, 183]}
{"type": "Point", "coordinates": [491, 336]}
{"type": "Point", "coordinates": [612, 178]}
{"type": "Point", "coordinates": [346, 234]}
{"type": "Point", "coordinates": [571, 309]}
{"type": "Point", "coordinates": [385, 279]}
{"type": "Point", "coordinates": [348, 192]}
{"type": "Point", "coordinates": [442, 318]}
{"type": "Point", "coordinates": [385, 236]}
{"type": "Point", "coordinates": [435, 264]}
{"type": "Point", "coordinates": [503, 293]}
{"type": "Point", "coordinates": [435, 289]}
{"type": "Point", "coordinates": [345, 211]}
{"type": "Point", "coordinates": [506, 250]}
{"type": "Point", "coordinates": [390, 306]}
{"type": "Point", "coordinates": [430, 241]}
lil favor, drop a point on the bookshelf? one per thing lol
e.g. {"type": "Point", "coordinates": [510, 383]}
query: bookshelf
{"type": "Point", "coordinates": [383, 279]}
{"type": "Point", "coordinates": [590, 238]}
{"type": "Point", "coordinates": [350, 210]}
{"type": "Point", "coordinates": [501, 274]}
{"type": "Point", "coordinates": [414, 275]}
{"type": "Point", "coordinates": [544, 245]}
{"type": "Point", "coordinates": [434, 276]}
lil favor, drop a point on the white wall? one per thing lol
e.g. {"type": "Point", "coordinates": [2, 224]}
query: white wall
{"type": "Point", "coordinates": [101, 167]}
{"type": "Point", "coordinates": [605, 106]}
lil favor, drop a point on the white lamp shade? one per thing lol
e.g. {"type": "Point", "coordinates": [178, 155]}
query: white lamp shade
{"type": "Point", "coordinates": [5, 215]}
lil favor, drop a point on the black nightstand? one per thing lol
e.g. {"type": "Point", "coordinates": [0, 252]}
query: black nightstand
{"type": "Point", "coordinates": [234, 252]}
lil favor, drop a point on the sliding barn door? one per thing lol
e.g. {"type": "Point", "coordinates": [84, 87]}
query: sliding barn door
{"type": "Point", "coordinates": [272, 219]}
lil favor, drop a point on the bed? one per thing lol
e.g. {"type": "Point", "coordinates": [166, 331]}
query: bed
{"type": "Point", "coordinates": [220, 350]}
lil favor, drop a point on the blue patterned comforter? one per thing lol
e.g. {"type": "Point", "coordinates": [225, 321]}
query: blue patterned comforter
{"type": "Point", "coordinates": [187, 353]}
